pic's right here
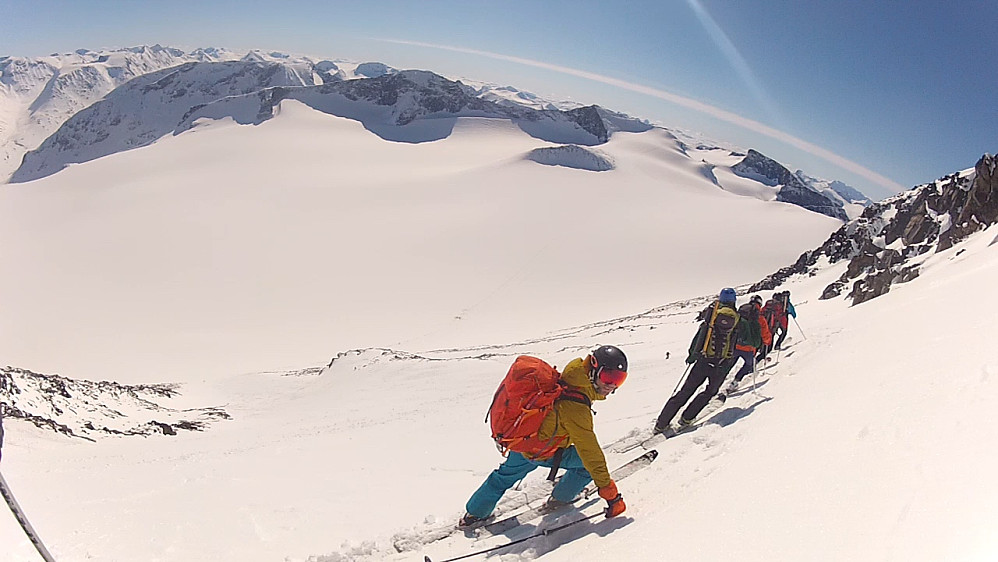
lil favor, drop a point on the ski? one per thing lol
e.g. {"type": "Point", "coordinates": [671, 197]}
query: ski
{"type": "Point", "coordinates": [507, 523]}
{"type": "Point", "coordinates": [493, 526]}
{"type": "Point", "coordinates": [541, 533]}
{"type": "Point", "coordinates": [672, 431]}
{"type": "Point", "coordinates": [25, 524]}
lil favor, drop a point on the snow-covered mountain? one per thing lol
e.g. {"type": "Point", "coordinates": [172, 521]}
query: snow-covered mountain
{"type": "Point", "coordinates": [893, 238]}
{"type": "Point", "coordinates": [791, 189]}
{"type": "Point", "coordinates": [149, 107]}
{"type": "Point", "coordinates": [853, 201]}
{"type": "Point", "coordinates": [38, 95]}
{"type": "Point", "coordinates": [845, 193]}
{"type": "Point", "coordinates": [171, 101]}
{"type": "Point", "coordinates": [212, 83]}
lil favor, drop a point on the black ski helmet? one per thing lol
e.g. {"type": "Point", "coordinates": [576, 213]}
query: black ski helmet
{"type": "Point", "coordinates": [609, 357]}
{"type": "Point", "coordinates": [607, 363]}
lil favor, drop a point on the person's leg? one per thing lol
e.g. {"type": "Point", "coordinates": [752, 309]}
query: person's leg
{"type": "Point", "coordinates": [697, 375]}
{"type": "Point", "coordinates": [783, 335]}
{"type": "Point", "coordinates": [484, 500]}
{"type": "Point", "coordinates": [749, 358]}
{"type": "Point", "coordinates": [716, 378]}
{"type": "Point", "coordinates": [575, 478]}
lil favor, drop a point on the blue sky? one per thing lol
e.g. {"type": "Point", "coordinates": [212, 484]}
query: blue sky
{"type": "Point", "coordinates": [882, 95]}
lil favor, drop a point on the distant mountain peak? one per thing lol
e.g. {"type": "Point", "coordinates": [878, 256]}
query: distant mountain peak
{"type": "Point", "coordinates": [793, 190]}
{"type": "Point", "coordinates": [835, 189]}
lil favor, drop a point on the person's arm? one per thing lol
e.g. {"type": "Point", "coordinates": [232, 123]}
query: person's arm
{"type": "Point", "coordinates": [577, 420]}
{"type": "Point", "coordinates": [767, 336]}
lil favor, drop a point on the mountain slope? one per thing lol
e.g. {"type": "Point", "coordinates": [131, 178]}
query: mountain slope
{"type": "Point", "coordinates": [149, 107]}
{"type": "Point", "coordinates": [834, 444]}
{"type": "Point", "coordinates": [38, 95]}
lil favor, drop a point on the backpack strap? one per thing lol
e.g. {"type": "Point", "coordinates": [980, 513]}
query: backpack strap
{"type": "Point", "coordinates": [710, 328]}
{"type": "Point", "coordinates": [575, 396]}
{"type": "Point", "coordinates": [555, 464]}
{"type": "Point", "coordinates": [570, 395]}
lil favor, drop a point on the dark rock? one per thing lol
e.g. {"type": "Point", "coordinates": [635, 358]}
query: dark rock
{"type": "Point", "coordinates": [166, 428]}
{"type": "Point", "coordinates": [759, 167]}
{"type": "Point", "coordinates": [881, 243]}
{"type": "Point", "coordinates": [80, 408]}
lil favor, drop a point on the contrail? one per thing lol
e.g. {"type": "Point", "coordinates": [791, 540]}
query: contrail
{"type": "Point", "coordinates": [735, 58]}
{"type": "Point", "coordinates": [689, 103]}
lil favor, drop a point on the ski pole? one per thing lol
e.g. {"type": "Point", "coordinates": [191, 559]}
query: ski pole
{"type": "Point", "coordinates": [19, 515]}
{"type": "Point", "coordinates": [682, 378]}
{"type": "Point", "coordinates": [798, 327]}
{"type": "Point", "coordinates": [543, 533]}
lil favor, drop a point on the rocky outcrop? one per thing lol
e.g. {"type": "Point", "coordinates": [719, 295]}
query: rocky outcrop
{"type": "Point", "coordinates": [572, 156]}
{"type": "Point", "coordinates": [761, 168]}
{"type": "Point", "coordinates": [884, 245]}
{"type": "Point", "coordinates": [80, 408]}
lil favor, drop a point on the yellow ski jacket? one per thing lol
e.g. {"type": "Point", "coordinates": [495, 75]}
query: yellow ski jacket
{"type": "Point", "coordinates": [575, 420]}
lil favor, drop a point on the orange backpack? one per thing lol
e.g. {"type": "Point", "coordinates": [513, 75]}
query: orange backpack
{"type": "Point", "coordinates": [524, 398]}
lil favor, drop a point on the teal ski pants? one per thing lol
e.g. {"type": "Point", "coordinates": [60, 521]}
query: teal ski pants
{"type": "Point", "coordinates": [515, 468]}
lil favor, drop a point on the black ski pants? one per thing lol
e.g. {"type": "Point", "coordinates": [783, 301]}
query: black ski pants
{"type": "Point", "coordinates": [748, 367]}
{"type": "Point", "coordinates": [702, 371]}
{"type": "Point", "coordinates": [783, 336]}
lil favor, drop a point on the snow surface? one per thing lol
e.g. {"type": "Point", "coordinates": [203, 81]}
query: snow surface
{"type": "Point", "coordinates": [307, 235]}
{"type": "Point", "coordinates": [228, 257]}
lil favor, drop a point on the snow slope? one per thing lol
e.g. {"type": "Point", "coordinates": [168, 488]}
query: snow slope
{"type": "Point", "coordinates": [295, 239]}
{"type": "Point", "coordinates": [229, 257]}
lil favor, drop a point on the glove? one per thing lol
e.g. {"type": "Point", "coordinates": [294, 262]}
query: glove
{"type": "Point", "coordinates": [615, 501]}
{"type": "Point", "coordinates": [691, 358]}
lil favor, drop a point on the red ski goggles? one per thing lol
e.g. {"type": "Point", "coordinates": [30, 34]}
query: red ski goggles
{"type": "Point", "coordinates": [611, 377]}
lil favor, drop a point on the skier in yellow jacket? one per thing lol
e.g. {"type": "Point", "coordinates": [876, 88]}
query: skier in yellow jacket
{"type": "Point", "coordinates": [592, 378]}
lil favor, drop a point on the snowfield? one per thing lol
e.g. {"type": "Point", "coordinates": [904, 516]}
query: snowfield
{"type": "Point", "coordinates": [352, 303]}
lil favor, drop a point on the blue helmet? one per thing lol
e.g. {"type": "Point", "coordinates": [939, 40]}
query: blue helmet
{"type": "Point", "coordinates": [727, 296]}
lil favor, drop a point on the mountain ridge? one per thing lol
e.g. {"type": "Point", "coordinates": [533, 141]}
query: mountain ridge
{"type": "Point", "coordinates": [413, 95]}
{"type": "Point", "coordinates": [885, 245]}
